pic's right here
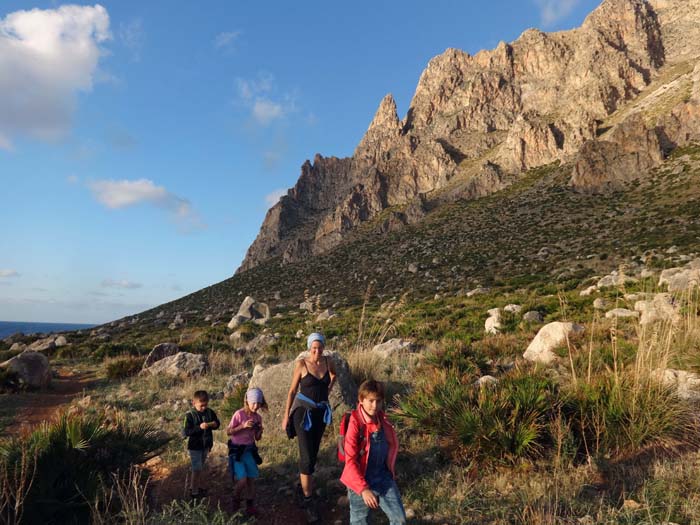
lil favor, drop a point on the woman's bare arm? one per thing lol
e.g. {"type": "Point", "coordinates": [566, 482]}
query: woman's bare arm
{"type": "Point", "coordinates": [296, 377]}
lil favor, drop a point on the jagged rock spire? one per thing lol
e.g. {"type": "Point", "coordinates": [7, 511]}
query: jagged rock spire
{"type": "Point", "coordinates": [386, 115]}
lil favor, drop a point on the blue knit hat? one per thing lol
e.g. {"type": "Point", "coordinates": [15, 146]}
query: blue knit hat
{"type": "Point", "coordinates": [315, 337]}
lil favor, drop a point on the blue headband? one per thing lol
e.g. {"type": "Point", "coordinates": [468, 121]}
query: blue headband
{"type": "Point", "coordinates": [254, 395]}
{"type": "Point", "coordinates": [315, 337]}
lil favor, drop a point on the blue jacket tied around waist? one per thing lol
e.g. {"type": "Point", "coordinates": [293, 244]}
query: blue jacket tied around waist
{"type": "Point", "coordinates": [303, 402]}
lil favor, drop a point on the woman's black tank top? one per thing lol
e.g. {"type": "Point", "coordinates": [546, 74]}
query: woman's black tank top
{"type": "Point", "coordinates": [313, 387]}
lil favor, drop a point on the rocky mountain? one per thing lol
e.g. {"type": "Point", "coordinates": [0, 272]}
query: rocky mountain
{"type": "Point", "coordinates": [610, 100]}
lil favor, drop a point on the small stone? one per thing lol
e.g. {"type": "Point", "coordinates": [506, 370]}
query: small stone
{"type": "Point", "coordinates": [630, 504]}
{"type": "Point", "coordinates": [588, 291]}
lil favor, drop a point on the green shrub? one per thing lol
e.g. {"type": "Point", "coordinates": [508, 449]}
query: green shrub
{"type": "Point", "coordinates": [458, 356]}
{"type": "Point", "coordinates": [74, 457]}
{"type": "Point", "coordinates": [620, 415]}
{"type": "Point", "coordinates": [502, 422]}
{"type": "Point", "coordinates": [123, 367]}
{"type": "Point", "coordinates": [117, 349]}
{"type": "Point", "coordinates": [234, 401]}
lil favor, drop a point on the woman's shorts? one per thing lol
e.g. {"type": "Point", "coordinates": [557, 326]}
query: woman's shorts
{"type": "Point", "coordinates": [245, 468]}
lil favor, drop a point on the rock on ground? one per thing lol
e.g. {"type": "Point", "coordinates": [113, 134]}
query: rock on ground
{"type": "Point", "coordinates": [588, 291]}
{"type": "Point", "coordinates": [236, 381]}
{"type": "Point", "coordinates": [620, 313]}
{"type": "Point", "coordinates": [681, 279]}
{"type": "Point", "coordinates": [392, 347]}
{"type": "Point", "coordinates": [31, 367]}
{"type": "Point", "coordinates": [182, 364]}
{"type": "Point", "coordinates": [43, 345]}
{"type": "Point", "coordinates": [250, 310]}
{"type": "Point", "coordinates": [687, 384]}
{"type": "Point", "coordinates": [261, 342]}
{"type": "Point", "coordinates": [550, 337]}
{"type": "Point", "coordinates": [160, 351]}
{"type": "Point", "coordinates": [661, 308]}
{"type": "Point", "coordinates": [533, 316]}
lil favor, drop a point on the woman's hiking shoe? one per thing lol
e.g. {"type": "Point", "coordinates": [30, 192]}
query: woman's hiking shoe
{"type": "Point", "coordinates": [299, 496]}
{"type": "Point", "coordinates": [311, 511]}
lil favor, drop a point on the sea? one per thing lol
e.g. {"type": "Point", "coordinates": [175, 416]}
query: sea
{"type": "Point", "coordinates": [10, 327]}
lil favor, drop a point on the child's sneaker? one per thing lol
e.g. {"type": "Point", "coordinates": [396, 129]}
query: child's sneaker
{"type": "Point", "coordinates": [250, 510]}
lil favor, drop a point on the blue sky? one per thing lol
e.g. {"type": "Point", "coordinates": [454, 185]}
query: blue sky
{"type": "Point", "coordinates": [141, 143]}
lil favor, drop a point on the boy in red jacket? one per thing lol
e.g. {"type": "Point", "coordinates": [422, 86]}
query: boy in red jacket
{"type": "Point", "coordinates": [370, 455]}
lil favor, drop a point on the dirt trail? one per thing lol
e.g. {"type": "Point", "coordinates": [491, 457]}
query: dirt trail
{"type": "Point", "coordinates": [274, 505]}
{"type": "Point", "coordinates": [35, 407]}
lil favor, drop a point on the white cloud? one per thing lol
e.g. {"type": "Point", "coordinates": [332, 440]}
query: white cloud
{"type": "Point", "coordinates": [123, 283]}
{"type": "Point", "coordinates": [117, 194]}
{"type": "Point", "coordinates": [257, 95]}
{"type": "Point", "coordinates": [132, 36]}
{"type": "Point", "coordinates": [265, 111]}
{"type": "Point", "coordinates": [6, 143]}
{"type": "Point", "coordinates": [552, 11]}
{"type": "Point", "coordinates": [274, 196]}
{"type": "Point", "coordinates": [226, 39]}
{"type": "Point", "coordinates": [46, 58]}
{"type": "Point", "coordinates": [8, 273]}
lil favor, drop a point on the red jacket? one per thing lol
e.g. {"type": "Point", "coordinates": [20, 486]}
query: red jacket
{"type": "Point", "coordinates": [357, 444]}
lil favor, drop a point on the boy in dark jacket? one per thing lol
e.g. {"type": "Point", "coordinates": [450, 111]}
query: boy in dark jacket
{"type": "Point", "coordinates": [199, 423]}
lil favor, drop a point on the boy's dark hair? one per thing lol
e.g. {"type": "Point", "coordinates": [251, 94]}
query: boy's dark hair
{"type": "Point", "coordinates": [371, 387]}
{"type": "Point", "coordinates": [200, 395]}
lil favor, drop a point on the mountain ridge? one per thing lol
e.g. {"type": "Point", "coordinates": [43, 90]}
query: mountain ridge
{"type": "Point", "coordinates": [475, 123]}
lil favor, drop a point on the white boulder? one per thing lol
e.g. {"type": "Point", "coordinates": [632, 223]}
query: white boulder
{"type": "Point", "coordinates": [620, 313]}
{"type": "Point", "coordinates": [550, 337]}
{"type": "Point", "coordinates": [686, 384]}
{"type": "Point", "coordinates": [661, 308]}
{"type": "Point", "coordinates": [182, 364]}
{"type": "Point", "coordinates": [393, 346]}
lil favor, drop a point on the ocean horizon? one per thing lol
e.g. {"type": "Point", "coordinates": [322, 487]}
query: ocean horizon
{"type": "Point", "coordinates": [8, 328]}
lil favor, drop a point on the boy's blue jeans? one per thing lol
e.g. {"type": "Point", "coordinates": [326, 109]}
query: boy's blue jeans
{"type": "Point", "coordinates": [389, 502]}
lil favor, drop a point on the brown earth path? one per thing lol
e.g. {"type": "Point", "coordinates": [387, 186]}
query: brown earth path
{"type": "Point", "coordinates": [274, 504]}
{"type": "Point", "coordinates": [33, 408]}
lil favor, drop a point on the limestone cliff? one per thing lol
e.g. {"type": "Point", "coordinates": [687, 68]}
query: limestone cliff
{"type": "Point", "coordinates": [476, 122]}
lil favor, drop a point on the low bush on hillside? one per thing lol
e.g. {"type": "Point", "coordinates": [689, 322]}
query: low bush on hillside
{"type": "Point", "coordinates": [500, 422]}
{"type": "Point", "coordinates": [611, 403]}
{"type": "Point", "coordinates": [123, 367]}
{"type": "Point", "coordinates": [58, 471]}
{"type": "Point", "coordinates": [615, 416]}
{"type": "Point", "coordinates": [118, 349]}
